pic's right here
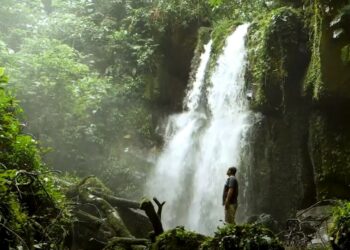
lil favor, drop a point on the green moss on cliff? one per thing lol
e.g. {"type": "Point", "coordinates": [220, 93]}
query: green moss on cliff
{"type": "Point", "coordinates": [274, 49]}
{"type": "Point", "coordinates": [222, 29]}
{"type": "Point", "coordinates": [328, 73]}
{"type": "Point", "coordinates": [313, 81]}
{"type": "Point", "coordinates": [345, 54]}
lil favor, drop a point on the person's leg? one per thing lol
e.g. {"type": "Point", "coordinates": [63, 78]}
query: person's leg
{"type": "Point", "coordinates": [230, 214]}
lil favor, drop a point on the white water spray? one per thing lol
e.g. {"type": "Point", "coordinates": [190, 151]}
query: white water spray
{"type": "Point", "coordinates": [204, 141]}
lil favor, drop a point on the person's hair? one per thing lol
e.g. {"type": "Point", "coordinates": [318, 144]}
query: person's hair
{"type": "Point", "coordinates": [232, 170]}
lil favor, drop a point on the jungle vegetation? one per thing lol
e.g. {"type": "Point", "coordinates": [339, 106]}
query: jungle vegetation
{"type": "Point", "coordinates": [89, 76]}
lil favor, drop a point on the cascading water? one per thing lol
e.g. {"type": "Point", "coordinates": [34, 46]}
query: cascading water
{"type": "Point", "coordinates": [204, 141]}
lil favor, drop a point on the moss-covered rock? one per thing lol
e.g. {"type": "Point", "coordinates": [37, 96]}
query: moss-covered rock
{"type": "Point", "coordinates": [177, 48]}
{"type": "Point", "coordinates": [221, 30]}
{"type": "Point", "coordinates": [277, 59]}
{"type": "Point", "coordinates": [202, 39]}
{"type": "Point", "coordinates": [328, 74]}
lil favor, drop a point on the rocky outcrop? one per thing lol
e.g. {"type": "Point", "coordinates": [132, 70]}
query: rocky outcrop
{"type": "Point", "coordinates": [174, 68]}
{"type": "Point", "coordinates": [300, 83]}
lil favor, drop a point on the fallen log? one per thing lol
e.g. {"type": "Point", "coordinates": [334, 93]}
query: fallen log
{"type": "Point", "coordinates": [97, 225]}
{"type": "Point", "coordinates": [127, 241]}
{"type": "Point", "coordinates": [109, 211]}
{"type": "Point", "coordinates": [116, 201]}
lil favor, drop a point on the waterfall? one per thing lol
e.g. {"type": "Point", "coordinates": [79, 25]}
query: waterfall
{"type": "Point", "coordinates": [203, 141]}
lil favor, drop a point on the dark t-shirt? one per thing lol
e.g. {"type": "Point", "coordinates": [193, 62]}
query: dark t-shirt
{"type": "Point", "coordinates": [231, 182]}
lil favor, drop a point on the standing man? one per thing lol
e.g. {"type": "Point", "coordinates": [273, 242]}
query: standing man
{"type": "Point", "coordinates": [230, 195]}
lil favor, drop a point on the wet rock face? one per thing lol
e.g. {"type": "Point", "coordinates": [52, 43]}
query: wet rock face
{"type": "Point", "coordinates": [174, 68]}
{"type": "Point", "coordinates": [329, 144]}
{"type": "Point", "coordinates": [300, 149]}
{"type": "Point", "coordinates": [280, 172]}
{"type": "Point", "coordinates": [329, 122]}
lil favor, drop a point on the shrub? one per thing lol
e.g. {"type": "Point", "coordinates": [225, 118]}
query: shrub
{"type": "Point", "coordinates": [340, 232]}
{"type": "Point", "coordinates": [243, 237]}
{"type": "Point", "coordinates": [178, 239]}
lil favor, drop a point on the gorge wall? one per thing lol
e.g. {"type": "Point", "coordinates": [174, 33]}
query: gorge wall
{"type": "Point", "coordinates": [299, 77]}
{"type": "Point", "coordinates": [298, 81]}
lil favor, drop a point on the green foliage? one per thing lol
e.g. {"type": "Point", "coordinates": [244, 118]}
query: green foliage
{"type": "Point", "coordinates": [340, 231]}
{"type": "Point", "coordinates": [79, 79]}
{"type": "Point", "coordinates": [178, 239]}
{"type": "Point", "coordinates": [229, 237]}
{"type": "Point", "coordinates": [221, 30]}
{"type": "Point", "coordinates": [32, 210]}
{"type": "Point", "coordinates": [242, 11]}
{"type": "Point", "coordinates": [246, 237]}
{"type": "Point", "coordinates": [14, 29]}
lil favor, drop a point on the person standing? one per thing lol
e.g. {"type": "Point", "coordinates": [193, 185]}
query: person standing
{"type": "Point", "coordinates": [230, 195]}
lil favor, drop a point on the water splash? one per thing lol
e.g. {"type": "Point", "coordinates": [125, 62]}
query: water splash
{"type": "Point", "coordinates": [204, 141]}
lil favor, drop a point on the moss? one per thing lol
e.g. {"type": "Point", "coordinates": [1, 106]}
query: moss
{"type": "Point", "coordinates": [313, 81]}
{"type": "Point", "coordinates": [345, 54]}
{"type": "Point", "coordinates": [178, 239]}
{"type": "Point", "coordinates": [203, 38]}
{"type": "Point", "coordinates": [328, 72]}
{"type": "Point", "coordinates": [274, 45]}
{"type": "Point", "coordinates": [96, 184]}
{"type": "Point", "coordinates": [248, 236]}
{"type": "Point", "coordinates": [221, 30]}
{"type": "Point", "coordinates": [340, 231]}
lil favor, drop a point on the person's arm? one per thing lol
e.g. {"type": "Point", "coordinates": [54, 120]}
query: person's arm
{"type": "Point", "coordinates": [228, 197]}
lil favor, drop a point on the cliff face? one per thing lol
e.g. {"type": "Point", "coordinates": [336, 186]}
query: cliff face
{"type": "Point", "coordinates": [299, 76]}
